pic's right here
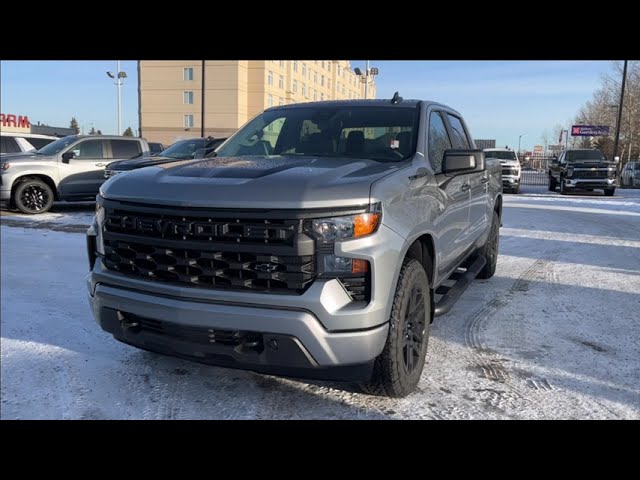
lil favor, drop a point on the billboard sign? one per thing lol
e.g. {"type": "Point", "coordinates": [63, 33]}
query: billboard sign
{"type": "Point", "coordinates": [589, 130]}
{"type": "Point", "coordinates": [537, 149]}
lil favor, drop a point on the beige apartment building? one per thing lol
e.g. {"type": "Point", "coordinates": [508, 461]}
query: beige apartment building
{"type": "Point", "coordinates": [170, 92]}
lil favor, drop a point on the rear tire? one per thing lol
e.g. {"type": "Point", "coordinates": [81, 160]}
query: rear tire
{"type": "Point", "coordinates": [397, 370]}
{"type": "Point", "coordinates": [33, 196]}
{"type": "Point", "coordinates": [552, 183]}
{"type": "Point", "coordinates": [608, 192]}
{"type": "Point", "coordinates": [490, 249]}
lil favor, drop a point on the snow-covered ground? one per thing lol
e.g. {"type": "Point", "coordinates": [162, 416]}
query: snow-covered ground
{"type": "Point", "coordinates": [555, 334]}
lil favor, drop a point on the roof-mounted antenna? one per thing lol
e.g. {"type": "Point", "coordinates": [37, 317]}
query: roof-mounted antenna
{"type": "Point", "coordinates": [396, 98]}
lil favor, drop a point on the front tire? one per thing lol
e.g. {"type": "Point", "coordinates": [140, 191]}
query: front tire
{"type": "Point", "coordinates": [33, 196]}
{"type": "Point", "coordinates": [490, 249]}
{"type": "Point", "coordinates": [608, 192]}
{"type": "Point", "coordinates": [563, 187]}
{"type": "Point", "coordinates": [396, 372]}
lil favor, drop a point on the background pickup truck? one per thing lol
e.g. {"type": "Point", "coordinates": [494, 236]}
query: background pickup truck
{"type": "Point", "coordinates": [320, 242]}
{"type": "Point", "coordinates": [582, 169]}
{"type": "Point", "coordinates": [71, 168]}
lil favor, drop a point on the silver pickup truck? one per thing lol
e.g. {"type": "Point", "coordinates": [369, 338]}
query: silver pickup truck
{"type": "Point", "coordinates": [319, 243]}
{"type": "Point", "coordinates": [71, 168]}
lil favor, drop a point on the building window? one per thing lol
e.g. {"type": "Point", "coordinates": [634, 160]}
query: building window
{"type": "Point", "coordinates": [304, 70]}
{"type": "Point", "coordinates": [343, 88]}
{"type": "Point", "coordinates": [281, 82]}
{"type": "Point", "coordinates": [295, 65]}
{"type": "Point", "coordinates": [322, 63]}
{"type": "Point", "coordinates": [315, 77]}
{"type": "Point", "coordinates": [269, 100]}
{"type": "Point", "coordinates": [187, 73]}
{"type": "Point", "coordinates": [282, 63]}
{"type": "Point", "coordinates": [188, 98]}
{"type": "Point", "coordinates": [328, 83]}
{"type": "Point", "coordinates": [322, 96]}
{"type": "Point", "coordinates": [270, 78]}
{"type": "Point", "coordinates": [329, 65]}
{"type": "Point", "coordinates": [188, 121]}
{"type": "Point", "coordinates": [304, 89]}
{"type": "Point", "coordinates": [295, 86]}
{"type": "Point", "coordinates": [316, 62]}
{"type": "Point", "coordinates": [281, 101]}
{"type": "Point", "coordinates": [322, 80]}
{"type": "Point", "coordinates": [339, 70]}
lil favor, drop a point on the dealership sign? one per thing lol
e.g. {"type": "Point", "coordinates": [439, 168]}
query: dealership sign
{"type": "Point", "coordinates": [589, 130]}
{"type": "Point", "coordinates": [17, 121]}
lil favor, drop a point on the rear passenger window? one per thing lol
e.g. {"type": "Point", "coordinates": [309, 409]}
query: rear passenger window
{"type": "Point", "coordinates": [458, 135]}
{"type": "Point", "coordinates": [438, 141]}
{"type": "Point", "coordinates": [9, 145]}
{"type": "Point", "coordinates": [124, 149]}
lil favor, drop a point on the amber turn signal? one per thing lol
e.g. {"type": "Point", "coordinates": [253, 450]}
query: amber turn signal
{"type": "Point", "coordinates": [359, 266]}
{"type": "Point", "coordinates": [365, 223]}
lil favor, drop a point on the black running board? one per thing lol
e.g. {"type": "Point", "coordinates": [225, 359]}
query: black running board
{"type": "Point", "coordinates": [463, 279]}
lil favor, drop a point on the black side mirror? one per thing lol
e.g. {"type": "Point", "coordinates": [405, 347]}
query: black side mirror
{"type": "Point", "coordinates": [458, 162]}
{"type": "Point", "coordinates": [66, 156]}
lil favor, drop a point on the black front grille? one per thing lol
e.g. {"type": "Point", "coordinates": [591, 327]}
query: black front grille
{"type": "Point", "coordinates": [590, 174]}
{"type": "Point", "coordinates": [269, 256]}
{"type": "Point", "coordinates": [211, 269]}
{"type": "Point", "coordinates": [509, 171]}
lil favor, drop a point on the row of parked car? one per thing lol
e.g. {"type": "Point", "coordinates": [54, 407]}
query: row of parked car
{"type": "Point", "coordinates": [33, 175]}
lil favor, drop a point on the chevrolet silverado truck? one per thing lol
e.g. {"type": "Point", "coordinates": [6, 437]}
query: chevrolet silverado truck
{"type": "Point", "coordinates": [582, 169]}
{"type": "Point", "coordinates": [327, 257]}
{"type": "Point", "coordinates": [71, 168]}
{"type": "Point", "coordinates": [511, 171]}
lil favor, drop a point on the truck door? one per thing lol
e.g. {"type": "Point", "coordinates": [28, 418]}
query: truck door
{"type": "Point", "coordinates": [82, 175]}
{"type": "Point", "coordinates": [453, 222]}
{"type": "Point", "coordinates": [479, 202]}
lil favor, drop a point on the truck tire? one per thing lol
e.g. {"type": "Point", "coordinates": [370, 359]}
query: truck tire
{"type": "Point", "coordinates": [33, 196]}
{"type": "Point", "coordinates": [397, 370]}
{"type": "Point", "coordinates": [608, 192]}
{"type": "Point", "coordinates": [563, 188]}
{"type": "Point", "coordinates": [552, 183]}
{"type": "Point", "coordinates": [490, 249]}
{"type": "Point", "coordinates": [516, 190]}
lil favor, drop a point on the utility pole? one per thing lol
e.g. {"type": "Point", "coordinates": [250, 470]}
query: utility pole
{"type": "Point", "coordinates": [202, 106]}
{"type": "Point", "coordinates": [624, 78]}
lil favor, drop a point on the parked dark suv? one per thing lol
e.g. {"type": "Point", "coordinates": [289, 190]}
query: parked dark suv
{"type": "Point", "coordinates": [190, 149]}
{"type": "Point", "coordinates": [582, 169]}
{"type": "Point", "coordinates": [630, 176]}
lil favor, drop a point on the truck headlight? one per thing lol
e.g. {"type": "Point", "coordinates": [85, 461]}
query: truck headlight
{"type": "Point", "coordinates": [328, 230]}
{"type": "Point", "coordinates": [569, 171]}
{"type": "Point", "coordinates": [98, 222]}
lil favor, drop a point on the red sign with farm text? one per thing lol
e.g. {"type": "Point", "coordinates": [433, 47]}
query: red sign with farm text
{"type": "Point", "coordinates": [10, 120]}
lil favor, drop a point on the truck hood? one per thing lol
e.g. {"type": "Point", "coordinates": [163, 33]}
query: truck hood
{"type": "Point", "coordinates": [140, 162]}
{"type": "Point", "coordinates": [287, 182]}
{"type": "Point", "coordinates": [510, 163]}
{"type": "Point", "coordinates": [23, 157]}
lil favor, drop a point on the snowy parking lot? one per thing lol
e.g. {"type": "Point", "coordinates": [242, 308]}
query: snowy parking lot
{"type": "Point", "coordinates": [554, 335]}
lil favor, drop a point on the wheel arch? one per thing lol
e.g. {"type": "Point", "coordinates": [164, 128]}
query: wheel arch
{"type": "Point", "coordinates": [34, 176]}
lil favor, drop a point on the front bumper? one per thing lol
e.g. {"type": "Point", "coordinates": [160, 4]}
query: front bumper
{"type": "Point", "coordinates": [582, 183]}
{"type": "Point", "coordinates": [338, 338]}
{"type": "Point", "coordinates": [510, 182]}
{"type": "Point", "coordinates": [5, 193]}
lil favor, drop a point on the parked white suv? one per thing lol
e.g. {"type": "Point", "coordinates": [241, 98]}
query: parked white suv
{"type": "Point", "coordinates": [11, 142]}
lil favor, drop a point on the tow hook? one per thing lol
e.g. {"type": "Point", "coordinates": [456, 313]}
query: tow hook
{"type": "Point", "coordinates": [127, 324]}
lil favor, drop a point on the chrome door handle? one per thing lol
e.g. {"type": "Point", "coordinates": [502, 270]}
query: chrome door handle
{"type": "Point", "coordinates": [101, 164]}
{"type": "Point", "coordinates": [465, 187]}
{"type": "Point", "coordinates": [484, 179]}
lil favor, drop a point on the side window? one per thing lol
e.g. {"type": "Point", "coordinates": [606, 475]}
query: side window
{"type": "Point", "coordinates": [88, 150]}
{"type": "Point", "coordinates": [438, 141]}
{"type": "Point", "coordinates": [125, 149]}
{"type": "Point", "coordinates": [38, 143]}
{"type": "Point", "coordinates": [458, 135]}
{"type": "Point", "coordinates": [9, 145]}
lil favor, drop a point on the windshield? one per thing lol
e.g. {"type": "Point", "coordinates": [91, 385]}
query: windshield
{"type": "Point", "coordinates": [501, 155]}
{"type": "Point", "coordinates": [582, 155]}
{"type": "Point", "coordinates": [183, 149]}
{"type": "Point", "coordinates": [55, 147]}
{"type": "Point", "coordinates": [378, 133]}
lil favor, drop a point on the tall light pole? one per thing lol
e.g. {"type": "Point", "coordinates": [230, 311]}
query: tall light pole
{"type": "Point", "coordinates": [119, 80]}
{"type": "Point", "coordinates": [624, 78]}
{"type": "Point", "coordinates": [520, 138]}
{"type": "Point", "coordinates": [364, 77]}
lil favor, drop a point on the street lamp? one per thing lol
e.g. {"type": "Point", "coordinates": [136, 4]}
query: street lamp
{"type": "Point", "coordinates": [364, 77]}
{"type": "Point", "coordinates": [119, 80]}
{"type": "Point", "coordinates": [520, 138]}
